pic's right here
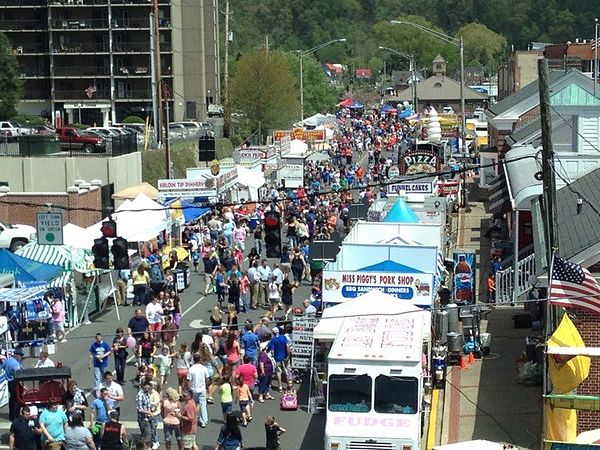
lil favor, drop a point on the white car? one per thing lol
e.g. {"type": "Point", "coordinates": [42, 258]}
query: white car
{"type": "Point", "coordinates": [13, 237]}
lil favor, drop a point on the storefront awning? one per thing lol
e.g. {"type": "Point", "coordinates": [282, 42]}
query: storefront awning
{"type": "Point", "coordinates": [499, 201]}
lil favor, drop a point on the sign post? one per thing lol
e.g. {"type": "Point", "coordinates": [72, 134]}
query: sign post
{"type": "Point", "coordinates": [49, 228]}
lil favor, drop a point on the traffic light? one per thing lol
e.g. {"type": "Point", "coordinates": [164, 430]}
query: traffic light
{"type": "Point", "coordinates": [273, 234]}
{"type": "Point", "coordinates": [120, 255]}
{"type": "Point", "coordinates": [109, 228]}
{"type": "Point", "coordinates": [100, 251]}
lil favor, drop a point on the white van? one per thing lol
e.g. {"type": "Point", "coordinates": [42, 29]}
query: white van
{"type": "Point", "coordinates": [375, 384]}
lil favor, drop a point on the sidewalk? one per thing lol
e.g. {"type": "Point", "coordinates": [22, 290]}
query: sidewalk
{"type": "Point", "coordinates": [485, 401]}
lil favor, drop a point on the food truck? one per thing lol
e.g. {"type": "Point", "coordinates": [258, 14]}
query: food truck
{"type": "Point", "coordinates": [375, 386]}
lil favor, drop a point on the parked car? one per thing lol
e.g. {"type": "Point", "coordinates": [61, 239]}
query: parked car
{"type": "Point", "coordinates": [215, 110]}
{"type": "Point", "coordinates": [10, 129]}
{"type": "Point", "coordinates": [13, 237]}
{"type": "Point", "coordinates": [42, 129]}
{"type": "Point", "coordinates": [74, 139]}
{"type": "Point", "coordinates": [177, 131]}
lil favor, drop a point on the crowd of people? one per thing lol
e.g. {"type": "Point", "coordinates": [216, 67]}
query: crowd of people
{"type": "Point", "coordinates": [240, 361]}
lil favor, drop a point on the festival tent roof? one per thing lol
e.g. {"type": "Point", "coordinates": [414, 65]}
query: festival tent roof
{"type": "Point", "coordinates": [389, 266]}
{"type": "Point", "coordinates": [250, 178]}
{"type": "Point", "coordinates": [138, 220]}
{"type": "Point", "coordinates": [25, 269]}
{"type": "Point", "coordinates": [60, 255]}
{"type": "Point", "coordinates": [401, 212]}
{"type": "Point", "coordinates": [356, 105]}
{"type": "Point", "coordinates": [346, 103]}
{"type": "Point", "coordinates": [192, 212]}
{"type": "Point", "coordinates": [372, 303]}
{"type": "Point", "coordinates": [133, 191]}
{"type": "Point", "coordinates": [297, 147]}
{"type": "Point", "coordinates": [78, 237]}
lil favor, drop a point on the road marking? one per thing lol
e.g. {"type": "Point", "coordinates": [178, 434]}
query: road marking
{"type": "Point", "coordinates": [431, 429]}
{"type": "Point", "coordinates": [193, 306]}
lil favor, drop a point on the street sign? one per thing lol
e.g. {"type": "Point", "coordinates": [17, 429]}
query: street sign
{"type": "Point", "coordinates": [49, 228]}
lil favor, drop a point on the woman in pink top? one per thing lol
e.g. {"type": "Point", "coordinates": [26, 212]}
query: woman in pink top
{"type": "Point", "coordinates": [170, 413]}
{"type": "Point", "coordinates": [58, 319]}
{"type": "Point", "coordinates": [232, 350]}
{"type": "Point", "coordinates": [239, 236]}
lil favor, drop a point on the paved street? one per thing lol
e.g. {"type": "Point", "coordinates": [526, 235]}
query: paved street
{"type": "Point", "coordinates": [304, 431]}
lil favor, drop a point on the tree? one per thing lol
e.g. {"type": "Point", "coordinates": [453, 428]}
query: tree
{"type": "Point", "coordinates": [320, 95]}
{"type": "Point", "coordinates": [263, 89]}
{"type": "Point", "coordinates": [482, 45]}
{"type": "Point", "coordinates": [11, 87]}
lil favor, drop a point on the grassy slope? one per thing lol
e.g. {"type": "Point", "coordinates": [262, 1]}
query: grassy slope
{"type": "Point", "coordinates": [184, 154]}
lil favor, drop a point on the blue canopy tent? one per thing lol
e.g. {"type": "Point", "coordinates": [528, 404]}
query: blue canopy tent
{"type": "Point", "coordinates": [26, 270]}
{"type": "Point", "coordinates": [389, 266]}
{"type": "Point", "coordinates": [406, 113]}
{"type": "Point", "coordinates": [356, 105]}
{"type": "Point", "coordinates": [402, 213]}
{"type": "Point", "coordinates": [193, 212]}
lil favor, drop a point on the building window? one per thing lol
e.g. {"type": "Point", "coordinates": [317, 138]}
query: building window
{"type": "Point", "coordinates": [437, 85]}
{"type": "Point", "coordinates": [438, 66]}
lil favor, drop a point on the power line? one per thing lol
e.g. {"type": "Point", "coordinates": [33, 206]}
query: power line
{"type": "Point", "coordinates": [271, 201]}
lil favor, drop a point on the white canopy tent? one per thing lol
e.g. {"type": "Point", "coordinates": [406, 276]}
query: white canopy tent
{"type": "Point", "coordinates": [78, 237]}
{"type": "Point", "coordinates": [250, 178]}
{"type": "Point", "coordinates": [138, 220]}
{"type": "Point", "coordinates": [372, 303]}
{"type": "Point", "coordinates": [297, 148]}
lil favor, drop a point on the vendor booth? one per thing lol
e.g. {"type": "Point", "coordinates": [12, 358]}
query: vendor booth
{"type": "Point", "coordinates": [26, 270]}
{"type": "Point", "coordinates": [388, 233]}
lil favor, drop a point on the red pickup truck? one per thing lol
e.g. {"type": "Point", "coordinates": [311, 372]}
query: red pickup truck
{"type": "Point", "coordinates": [74, 139]}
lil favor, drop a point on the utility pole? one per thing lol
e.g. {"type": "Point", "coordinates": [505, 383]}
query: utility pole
{"type": "Point", "coordinates": [549, 198]}
{"type": "Point", "coordinates": [165, 96]}
{"type": "Point", "coordinates": [154, 86]}
{"type": "Point", "coordinates": [203, 60]}
{"type": "Point", "coordinates": [226, 60]}
{"type": "Point", "coordinates": [157, 73]}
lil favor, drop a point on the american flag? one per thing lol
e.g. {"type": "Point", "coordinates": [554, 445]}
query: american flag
{"type": "Point", "coordinates": [573, 286]}
{"type": "Point", "coordinates": [90, 90]}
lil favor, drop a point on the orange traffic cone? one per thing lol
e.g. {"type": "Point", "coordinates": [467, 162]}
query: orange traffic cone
{"type": "Point", "coordinates": [463, 362]}
{"type": "Point", "coordinates": [471, 358]}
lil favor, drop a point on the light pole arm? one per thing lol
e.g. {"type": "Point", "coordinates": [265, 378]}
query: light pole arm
{"type": "Point", "coordinates": [438, 34]}
{"type": "Point", "coordinates": [319, 47]}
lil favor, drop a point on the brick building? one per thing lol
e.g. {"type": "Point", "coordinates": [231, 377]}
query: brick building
{"type": "Point", "coordinates": [14, 206]}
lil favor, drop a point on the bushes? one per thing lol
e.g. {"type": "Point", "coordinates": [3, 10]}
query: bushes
{"type": "Point", "coordinates": [133, 119]}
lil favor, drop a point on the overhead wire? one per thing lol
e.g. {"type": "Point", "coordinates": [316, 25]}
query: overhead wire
{"type": "Point", "coordinates": [409, 178]}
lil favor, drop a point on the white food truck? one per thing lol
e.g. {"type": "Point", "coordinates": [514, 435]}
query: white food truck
{"type": "Point", "coordinates": [375, 384]}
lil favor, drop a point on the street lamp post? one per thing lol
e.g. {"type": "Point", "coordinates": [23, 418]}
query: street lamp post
{"type": "Point", "coordinates": [302, 53]}
{"type": "Point", "coordinates": [460, 44]}
{"type": "Point", "coordinates": [411, 60]}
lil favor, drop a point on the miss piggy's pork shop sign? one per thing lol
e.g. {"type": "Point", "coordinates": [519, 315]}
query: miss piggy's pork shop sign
{"type": "Point", "coordinates": [341, 286]}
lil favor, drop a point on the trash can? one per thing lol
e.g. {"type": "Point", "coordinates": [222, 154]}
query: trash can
{"type": "Point", "coordinates": [186, 274]}
{"type": "Point", "coordinates": [179, 280]}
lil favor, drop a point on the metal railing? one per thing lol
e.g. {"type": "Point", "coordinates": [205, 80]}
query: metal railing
{"type": "Point", "coordinates": [127, 71]}
{"type": "Point", "coordinates": [23, 24]}
{"type": "Point", "coordinates": [34, 71]}
{"type": "Point", "coordinates": [506, 291]}
{"type": "Point", "coordinates": [79, 47]}
{"type": "Point", "coordinates": [50, 146]}
{"type": "Point", "coordinates": [29, 47]}
{"type": "Point", "coordinates": [79, 71]}
{"type": "Point", "coordinates": [79, 94]}
{"type": "Point", "coordinates": [79, 24]}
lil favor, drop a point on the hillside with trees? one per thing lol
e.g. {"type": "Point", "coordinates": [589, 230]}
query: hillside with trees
{"type": "Point", "coordinates": [488, 27]}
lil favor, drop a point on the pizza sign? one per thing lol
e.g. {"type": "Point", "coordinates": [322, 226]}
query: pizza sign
{"type": "Point", "coordinates": [420, 161]}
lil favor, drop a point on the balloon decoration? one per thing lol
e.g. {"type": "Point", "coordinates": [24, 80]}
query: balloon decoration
{"type": "Point", "coordinates": [131, 343]}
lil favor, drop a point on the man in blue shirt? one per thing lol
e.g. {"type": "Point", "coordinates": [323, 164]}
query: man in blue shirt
{"type": "Point", "coordinates": [12, 365]}
{"type": "Point", "coordinates": [99, 353]}
{"type": "Point", "coordinates": [279, 346]}
{"type": "Point", "coordinates": [249, 341]}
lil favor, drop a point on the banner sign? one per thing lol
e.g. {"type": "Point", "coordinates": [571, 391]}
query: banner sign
{"type": "Point", "coordinates": [464, 276]}
{"type": "Point", "coordinates": [302, 340]}
{"type": "Point", "coordinates": [292, 172]}
{"type": "Point", "coordinates": [187, 188]}
{"type": "Point", "coordinates": [548, 445]}
{"type": "Point", "coordinates": [37, 309]}
{"type": "Point", "coordinates": [3, 388]}
{"type": "Point", "coordinates": [299, 133]}
{"type": "Point", "coordinates": [420, 161]}
{"type": "Point", "coordinates": [448, 188]}
{"type": "Point", "coordinates": [411, 187]}
{"type": "Point", "coordinates": [342, 286]}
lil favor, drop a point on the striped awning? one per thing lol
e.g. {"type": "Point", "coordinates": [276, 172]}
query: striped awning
{"type": "Point", "coordinates": [499, 200]}
{"type": "Point", "coordinates": [61, 255]}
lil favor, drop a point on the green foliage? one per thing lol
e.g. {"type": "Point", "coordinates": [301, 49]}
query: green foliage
{"type": "Point", "coordinates": [133, 119]}
{"type": "Point", "coordinates": [11, 86]}
{"type": "Point", "coordinates": [303, 24]}
{"type": "Point", "coordinates": [482, 45]}
{"type": "Point", "coordinates": [184, 154]}
{"type": "Point", "coordinates": [29, 119]}
{"type": "Point", "coordinates": [263, 88]}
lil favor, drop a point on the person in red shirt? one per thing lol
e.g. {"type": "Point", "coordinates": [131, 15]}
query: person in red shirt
{"type": "Point", "coordinates": [189, 420]}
